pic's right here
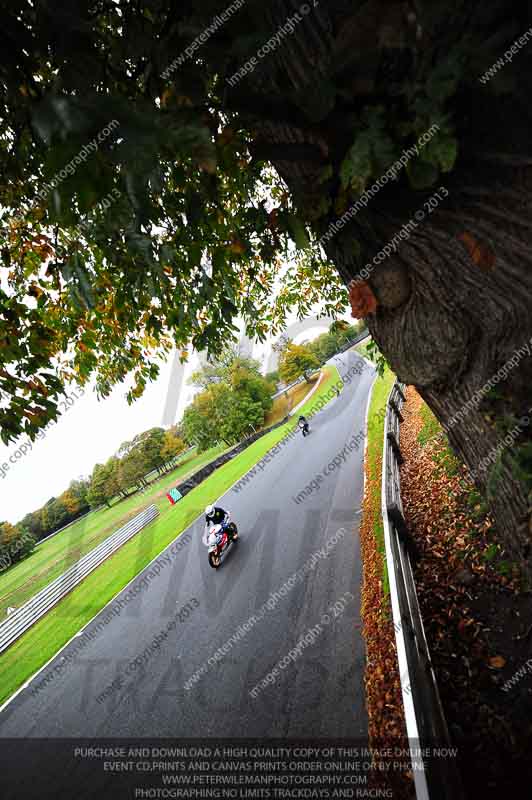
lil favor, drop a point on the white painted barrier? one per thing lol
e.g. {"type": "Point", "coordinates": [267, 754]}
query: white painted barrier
{"type": "Point", "coordinates": [21, 619]}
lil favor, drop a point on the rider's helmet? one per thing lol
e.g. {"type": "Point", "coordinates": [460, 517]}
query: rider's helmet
{"type": "Point", "coordinates": [208, 510]}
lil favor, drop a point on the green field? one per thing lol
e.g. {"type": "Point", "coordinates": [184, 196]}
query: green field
{"type": "Point", "coordinates": [45, 638]}
{"type": "Point", "coordinates": [19, 583]}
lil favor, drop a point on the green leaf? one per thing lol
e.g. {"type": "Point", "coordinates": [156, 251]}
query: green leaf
{"type": "Point", "coordinates": [490, 553]}
{"type": "Point", "coordinates": [421, 174]}
{"type": "Point", "coordinates": [356, 166]}
{"type": "Point", "coordinates": [447, 152]}
{"type": "Point", "coordinates": [318, 103]}
{"type": "Point", "coordinates": [141, 245]}
{"type": "Point", "coordinates": [299, 233]}
{"type": "Point", "coordinates": [325, 174]}
{"type": "Point", "coordinates": [194, 253]}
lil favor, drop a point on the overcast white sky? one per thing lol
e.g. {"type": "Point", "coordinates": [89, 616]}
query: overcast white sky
{"type": "Point", "coordinates": [88, 433]}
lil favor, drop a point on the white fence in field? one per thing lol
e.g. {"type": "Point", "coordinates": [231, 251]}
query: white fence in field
{"type": "Point", "coordinates": [21, 619]}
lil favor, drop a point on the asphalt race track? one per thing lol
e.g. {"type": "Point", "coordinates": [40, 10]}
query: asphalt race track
{"type": "Point", "coordinates": [318, 693]}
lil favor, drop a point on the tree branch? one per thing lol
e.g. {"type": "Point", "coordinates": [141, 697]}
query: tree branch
{"type": "Point", "coordinates": [287, 152]}
{"type": "Point", "coordinates": [265, 107]}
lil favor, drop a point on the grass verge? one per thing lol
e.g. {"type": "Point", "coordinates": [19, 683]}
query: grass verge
{"type": "Point", "coordinates": [22, 581]}
{"type": "Point", "coordinates": [375, 439]}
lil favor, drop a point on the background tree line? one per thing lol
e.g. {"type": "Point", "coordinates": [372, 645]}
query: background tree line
{"type": "Point", "coordinates": [17, 541]}
{"type": "Point", "coordinates": [124, 473]}
{"type": "Point", "coordinates": [127, 471]}
{"type": "Point", "coordinates": [236, 398]}
{"type": "Point", "coordinates": [299, 360]}
{"type": "Point", "coordinates": [233, 403]}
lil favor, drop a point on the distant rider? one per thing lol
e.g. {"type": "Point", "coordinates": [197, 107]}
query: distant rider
{"type": "Point", "coordinates": [214, 515]}
{"type": "Point", "coordinates": [303, 424]}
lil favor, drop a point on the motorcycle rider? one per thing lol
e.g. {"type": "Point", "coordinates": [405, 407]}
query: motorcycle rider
{"type": "Point", "coordinates": [303, 424]}
{"type": "Point", "coordinates": [214, 515]}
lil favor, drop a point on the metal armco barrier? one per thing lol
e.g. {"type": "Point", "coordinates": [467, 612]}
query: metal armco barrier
{"type": "Point", "coordinates": [353, 342]}
{"type": "Point", "coordinates": [287, 388]}
{"type": "Point", "coordinates": [23, 618]}
{"type": "Point", "coordinates": [436, 778]}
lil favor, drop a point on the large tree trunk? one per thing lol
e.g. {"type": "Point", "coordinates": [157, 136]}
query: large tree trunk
{"type": "Point", "coordinates": [454, 301]}
{"type": "Point", "coordinates": [453, 309]}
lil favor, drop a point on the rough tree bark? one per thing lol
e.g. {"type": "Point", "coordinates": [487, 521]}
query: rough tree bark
{"type": "Point", "coordinates": [459, 318]}
{"type": "Point", "coordinates": [454, 302]}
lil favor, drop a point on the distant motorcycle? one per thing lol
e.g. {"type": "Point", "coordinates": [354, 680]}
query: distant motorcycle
{"type": "Point", "coordinates": [303, 424]}
{"type": "Point", "coordinates": [220, 538]}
